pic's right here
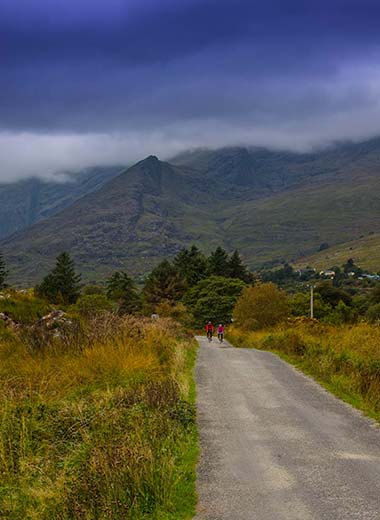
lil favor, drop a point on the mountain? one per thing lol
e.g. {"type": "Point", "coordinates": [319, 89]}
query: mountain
{"type": "Point", "coordinates": [271, 205]}
{"type": "Point", "coordinates": [26, 202]}
{"type": "Point", "coordinates": [136, 218]}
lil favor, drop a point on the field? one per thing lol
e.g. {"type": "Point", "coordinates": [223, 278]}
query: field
{"type": "Point", "coordinates": [97, 421]}
{"type": "Point", "coordinates": [345, 359]}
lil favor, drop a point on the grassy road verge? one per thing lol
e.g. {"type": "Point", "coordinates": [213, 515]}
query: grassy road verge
{"type": "Point", "coordinates": [344, 359]}
{"type": "Point", "coordinates": [98, 422]}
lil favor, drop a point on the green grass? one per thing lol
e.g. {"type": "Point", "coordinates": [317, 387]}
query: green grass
{"type": "Point", "coordinates": [23, 307]}
{"type": "Point", "coordinates": [102, 427]}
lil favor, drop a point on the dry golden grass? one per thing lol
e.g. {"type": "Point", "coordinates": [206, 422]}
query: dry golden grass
{"type": "Point", "coordinates": [99, 424]}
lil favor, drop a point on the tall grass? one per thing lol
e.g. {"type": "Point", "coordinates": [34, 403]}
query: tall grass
{"type": "Point", "coordinates": [99, 425]}
{"type": "Point", "coordinates": [346, 359]}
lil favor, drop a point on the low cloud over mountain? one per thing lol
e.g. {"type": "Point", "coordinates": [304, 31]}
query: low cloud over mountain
{"type": "Point", "coordinates": [98, 82]}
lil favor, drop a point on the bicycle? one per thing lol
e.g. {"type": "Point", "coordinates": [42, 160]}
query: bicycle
{"type": "Point", "coordinates": [209, 335]}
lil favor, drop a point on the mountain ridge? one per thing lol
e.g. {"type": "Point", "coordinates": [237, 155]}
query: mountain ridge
{"type": "Point", "coordinates": [151, 210]}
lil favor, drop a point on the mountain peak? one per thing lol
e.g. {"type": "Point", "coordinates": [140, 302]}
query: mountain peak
{"type": "Point", "coordinates": [151, 159]}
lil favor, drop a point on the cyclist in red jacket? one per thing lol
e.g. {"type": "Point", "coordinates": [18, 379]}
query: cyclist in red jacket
{"type": "Point", "coordinates": [209, 330]}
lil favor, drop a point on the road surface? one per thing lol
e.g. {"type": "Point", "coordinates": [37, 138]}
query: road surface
{"type": "Point", "coordinates": [277, 446]}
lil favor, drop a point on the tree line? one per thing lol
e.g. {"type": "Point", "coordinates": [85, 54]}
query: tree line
{"type": "Point", "coordinates": [207, 287]}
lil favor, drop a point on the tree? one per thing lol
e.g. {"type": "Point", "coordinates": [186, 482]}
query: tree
{"type": "Point", "coordinates": [260, 306]}
{"type": "Point", "coordinates": [300, 305]}
{"type": "Point", "coordinates": [342, 313]}
{"type": "Point", "coordinates": [164, 284]}
{"type": "Point", "coordinates": [237, 269]}
{"type": "Point", "coordinates": [332, 295]}
{"type": "Point", "coordinates": [350, 267]}
{"type": "Point", "coordinates": [62, 285]}
{"type": "Point", "coordinates": [218, 263]}
{"type": "Point", "coordinates": [3, 273]}
{"type": "Point", "coordinates": [213, 299]}
{"type": "Point", "coordinates": [279, 276]}
{"type": "Point", "coordinates": [192, 265]}
{"type": "Point", "coordinates": [122, 289]}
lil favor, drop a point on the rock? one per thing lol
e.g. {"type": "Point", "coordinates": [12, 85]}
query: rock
{"type": "Point", "coordinates": [52, 320]}
{"type": "Point", "coordinates": [9, 323]}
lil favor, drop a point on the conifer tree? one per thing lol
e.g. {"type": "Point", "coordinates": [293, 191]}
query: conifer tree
{"type": "Point", "coordinates": [121, 288]}
{"type": "Point", "coordinates": [62, 285]}
{"type": "Point", "coordinates": [164, 284]}
{"type": "Point", "coordinates": [236, 267]}
{"type": "Point", "coordinates": [218, 263]}
{"type": "Point", "coordinates": [3, 273]}
{"type": "Point", "coordinates": [192, 265]}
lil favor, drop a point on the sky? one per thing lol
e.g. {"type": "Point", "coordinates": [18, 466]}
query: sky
{"type": "Point", "coordinates": [91, 82]}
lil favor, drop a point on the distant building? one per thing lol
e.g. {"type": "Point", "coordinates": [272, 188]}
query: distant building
{"type": "Point", "coordinates": [327, 274]}
{"type": "Point", "coordinates": [371, 276]}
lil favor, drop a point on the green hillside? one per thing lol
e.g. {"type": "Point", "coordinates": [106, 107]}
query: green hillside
{"type": "Point", "coordinates": [365, 251]}
{"type": "Point", "coordinates": [272, 206]}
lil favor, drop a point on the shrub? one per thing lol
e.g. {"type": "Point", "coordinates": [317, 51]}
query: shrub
{"type": "Point", "coordinates": [262, 305]}
{"type": "Point", "coordinates": [373, 313]}
{"type": "Point", "coordinates": [90, 304]}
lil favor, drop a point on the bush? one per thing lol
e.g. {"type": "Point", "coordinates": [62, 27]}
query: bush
{"type": "Point", "coordinates": [373, 313]}
{"type": "Point", "coordinates": [263, 305]}
{"type": "Point", "coordinates": [90, 304]}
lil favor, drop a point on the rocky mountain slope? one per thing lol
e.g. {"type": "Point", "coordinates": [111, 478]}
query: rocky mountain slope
{"type": "Point", "coordinates": [26, 202]}
{"type": "Point", "coordinates": [272, 206]}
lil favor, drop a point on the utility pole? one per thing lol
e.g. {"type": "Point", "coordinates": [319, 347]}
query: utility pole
{"type": "Point", "coordinates": [311, 301]}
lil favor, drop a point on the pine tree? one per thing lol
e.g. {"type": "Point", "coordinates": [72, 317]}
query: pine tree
{"type": "Point", "coordinates": [121, 288]}
{"type": "Point", "coordinates": [218, 263]}
{"type": "Point", "coordinates": [192, 265]}
{"type": "Point", "coordinates": [62, 285]}
{"type": "Point", "coordinates": [3, 273]}
{"type": "Point", "coordinates": [236, 267]}
{"type": "Point", "coordinates": [164, 284]}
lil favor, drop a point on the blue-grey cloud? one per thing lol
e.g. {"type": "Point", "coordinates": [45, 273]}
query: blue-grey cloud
{"type": "Point", "coordinates": [178, 73]}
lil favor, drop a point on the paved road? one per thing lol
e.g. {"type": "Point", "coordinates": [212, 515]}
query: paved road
{"type": "Point", "coordinates": [276, 446]}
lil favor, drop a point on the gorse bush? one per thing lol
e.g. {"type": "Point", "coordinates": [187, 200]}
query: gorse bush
{"type": "Point", "coordinates": [260, 306]}
{"type": "Point", "coordinates": [98, 426]}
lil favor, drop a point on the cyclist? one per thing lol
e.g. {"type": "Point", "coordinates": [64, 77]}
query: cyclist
{"type": "Point", "coordinates": [220, 331]}
{"type": "Point", "coordinates": [209, 330]}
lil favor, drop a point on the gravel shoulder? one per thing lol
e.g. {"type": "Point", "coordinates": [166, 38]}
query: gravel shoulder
{"type": "Point", "coordinates": [276, 446]}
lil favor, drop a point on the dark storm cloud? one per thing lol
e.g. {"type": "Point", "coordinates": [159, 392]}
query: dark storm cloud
{"type": "Point", "coordinates": [186, 72]}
